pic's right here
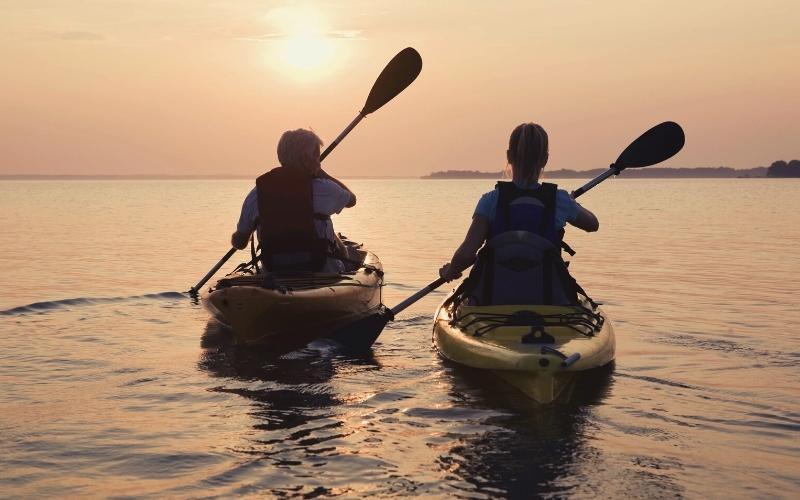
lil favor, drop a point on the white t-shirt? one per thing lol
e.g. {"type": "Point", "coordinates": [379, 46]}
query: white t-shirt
{"type": "Point", "coordinates": [329, 198]}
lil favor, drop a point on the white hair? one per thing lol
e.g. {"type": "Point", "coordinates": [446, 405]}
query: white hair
{"type": "Point", "coordinates": [295, 145]}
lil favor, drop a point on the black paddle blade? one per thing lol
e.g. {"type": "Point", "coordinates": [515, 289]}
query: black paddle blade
{"type": "Point", "coordinates": [654, 146]}
{"type": "Point", "coordinates": [395, 77]}
{"type": "Point", "coordinates": [360, 335]}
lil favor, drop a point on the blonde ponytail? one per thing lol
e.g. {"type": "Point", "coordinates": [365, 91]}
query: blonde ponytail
{"type": "Point", "coordinates": [528, 150]}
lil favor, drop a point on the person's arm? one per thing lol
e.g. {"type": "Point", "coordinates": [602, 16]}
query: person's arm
{"type": "Point", "coordinates": [464, 256]}
{"type": "Point", "coordinates": [585, 220]}
{"type": "Point", "coordinates": [324, 175]}
{"type": "Point", "coordinates": [247, 221]}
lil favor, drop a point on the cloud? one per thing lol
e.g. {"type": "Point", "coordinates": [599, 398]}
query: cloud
{"type": "Point", "coordinates": [265, 36]}
{"type": "Point", "coordinates": [348, 34]}
{"type": "Point", "coordinates": [306, 19]}
{"type": "Point", "coordinates": [83, 36]}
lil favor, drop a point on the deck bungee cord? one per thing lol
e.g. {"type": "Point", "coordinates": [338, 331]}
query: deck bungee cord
{"type": "Point", "coordinates": [581, 320]}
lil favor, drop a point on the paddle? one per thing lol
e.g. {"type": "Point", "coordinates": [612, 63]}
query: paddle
{"type": "Point", "coordinates": [656, 145]}
{"type": "Point", "coordinates": [401, 71]}
{"type": "Point", "coordinates": [360, 335]}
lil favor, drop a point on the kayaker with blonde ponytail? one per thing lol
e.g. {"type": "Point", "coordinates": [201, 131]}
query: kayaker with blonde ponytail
{"type": "Point", "coordinates": [522, 205]}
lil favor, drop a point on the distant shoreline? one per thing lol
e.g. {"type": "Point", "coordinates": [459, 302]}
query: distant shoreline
{"type": "Point", "coordinates": [645, 173]}
{"type": "Point", "coordinates": [70, 177]}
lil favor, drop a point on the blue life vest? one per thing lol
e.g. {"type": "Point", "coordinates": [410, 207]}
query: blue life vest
{"type": "Point", "coordinates": [531, 210]}
{"type": "Point", "coordinates": [521, 263]}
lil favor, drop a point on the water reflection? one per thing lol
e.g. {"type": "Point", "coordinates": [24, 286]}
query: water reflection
{"type": "Point", "coordinates": [317, 419]}
{"type": "Point", "coordinates": [288, 389]}
{"type": "Point", "coordinates": [296, 423]}
{"type": "Point", "coordinates": [527, 448]}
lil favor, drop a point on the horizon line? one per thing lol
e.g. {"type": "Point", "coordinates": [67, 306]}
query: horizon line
{"type": "Point", "coordinates": [245, 176]}
{"type": "Point", "coordinates": [166, 177]}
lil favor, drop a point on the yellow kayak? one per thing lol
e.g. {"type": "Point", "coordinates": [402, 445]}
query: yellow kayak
{"type": "Point", "coordinates": [537, 349]}
{"type": "Point", "coordinates": [294, 310]}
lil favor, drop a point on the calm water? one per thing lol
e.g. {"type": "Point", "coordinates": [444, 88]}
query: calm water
{"type": "Point", "coordinates": [115, 384]}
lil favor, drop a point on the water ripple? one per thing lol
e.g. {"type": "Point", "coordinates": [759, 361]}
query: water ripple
{"type": "Point", "coordinates": [44, 307]}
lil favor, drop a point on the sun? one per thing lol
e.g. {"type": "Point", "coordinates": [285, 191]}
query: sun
{"type": "Point", "coordinates": [302, 47]}
{"type": "Point", "coordinates": [305, 52]}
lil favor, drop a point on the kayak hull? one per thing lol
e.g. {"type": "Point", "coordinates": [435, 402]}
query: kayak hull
{"type": "Point", "coordinates": [298, 309]}
{"type": "Point", "coordinates": [544, 366]}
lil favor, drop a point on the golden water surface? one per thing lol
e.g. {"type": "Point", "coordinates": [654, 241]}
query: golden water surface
{"type": "Point", "coordinates": [115, 383]}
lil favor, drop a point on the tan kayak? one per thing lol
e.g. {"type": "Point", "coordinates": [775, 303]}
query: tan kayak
{"type": "Point", "coordinates": [295, 310]}
{"type": "Point", "coordinates": [537, 349]}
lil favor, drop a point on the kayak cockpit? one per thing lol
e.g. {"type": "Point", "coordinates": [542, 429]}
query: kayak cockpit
{"type": "Point", "coordinates": [286, 311]}
{"type": "Point", "coordinates": [359, 262]}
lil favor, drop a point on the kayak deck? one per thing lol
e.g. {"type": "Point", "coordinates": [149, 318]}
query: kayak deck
{"type": "Point", "coordinates": [537, 349]}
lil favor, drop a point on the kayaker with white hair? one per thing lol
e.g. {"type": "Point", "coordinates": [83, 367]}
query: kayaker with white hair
{"type": "Point", "coordinates": [522, 205]}
{"type": "Point", "coordinates": [290, 209]}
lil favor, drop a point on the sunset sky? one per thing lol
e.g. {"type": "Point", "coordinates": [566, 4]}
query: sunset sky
{"type": "Point", "coordinates": [185, 87]}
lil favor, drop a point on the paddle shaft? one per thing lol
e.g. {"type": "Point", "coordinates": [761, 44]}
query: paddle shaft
{"type": "Point", "coordinates": [597, 180]}
{"type": "Point", "coordinates": [344, 133]}
{"type": "Point", "coordinates": [425, 291]}
{"type": "Point", "coordinates": [213, 270]}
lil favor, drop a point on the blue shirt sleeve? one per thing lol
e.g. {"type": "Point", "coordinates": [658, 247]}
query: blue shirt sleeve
{"type": "Point", "coordinates": [329, 197]}
{"type": "Point", "coordinates": [249, 214]}
{"type": "Point", "coordinates": [566, 208]}
{"type": "Point", "coordinates": [487, 205]}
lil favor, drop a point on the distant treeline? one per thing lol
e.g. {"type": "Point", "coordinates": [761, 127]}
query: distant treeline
{"type": "Point", "coordinates": [782, 169]}
{"type": "Point", "coordinates": [777, 169]}
{"type": "Point", "coordinates": [118, 177]}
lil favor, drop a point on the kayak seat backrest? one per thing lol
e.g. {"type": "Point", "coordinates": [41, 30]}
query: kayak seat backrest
{"type": "Point", "coordinates": [520, 267]}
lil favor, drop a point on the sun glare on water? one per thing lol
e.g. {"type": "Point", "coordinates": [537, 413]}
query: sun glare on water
{"type": "Point", "coordinates": [303, 49]}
